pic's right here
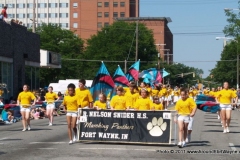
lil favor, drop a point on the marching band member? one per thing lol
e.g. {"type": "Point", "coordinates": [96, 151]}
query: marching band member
{"type": "Point", "coordinates": [84, 94]}
{"type": "Point", "coordinates": [163, 93]}
{"type": "Point", "coordinates": [224, 97]}
{"type": "Point", "coordinates": [118, 102]}
{"type": "Point", "coordinates": [101, 103]}
{"type": "Point", "coordinates": [71, 103]}
{"type": "Point", "coordinates": [169, 95]}
{"type": "Point", "coordinates": [185, 108]}
{"type": "Point", "coordinates": [155, 91]}
{"type": "Point", "coordinates": [206, 91]}
{"type": "Point", "coordinates": [156, 105]}
{"type": "Point", "coordinates": [190, 93]}
{"type": "Point", "coordinates": [131, 96]}
{"type": "Point", "coordinates": [176, 94]}
{"type": "Point", "coordinates": [24, 101]}
{"type": "Point", "coordinates": [50, 97]}
{"type": "Point", "coordinates": [195, 92]}
{"type": "Point", "coordinates": [143, 103]}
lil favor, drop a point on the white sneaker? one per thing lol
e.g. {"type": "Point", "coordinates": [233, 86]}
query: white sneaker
{"type": "Point", "coordinates": [180, 144]}
{"type": "Point", "coordinates": [186, 140]}
{"type": "Point", "coordinates": [24, 129]}
{"type": "Point", "coordinates": [227, 130]}
{"type": "Point", "coordinates": [29, 128]}
{"type": "Point", "coordinates": [70, 142]}
{"type": "Point", "coordinates": [183, 144]}
{"type": "Point", "coordinates": [218, 117]}
{"type": "Point", "coordinates": [74, 139]}
{"type": "Point", "coordinates": [50, 124]}
{"type": "Point", "coordinates": [189, 138]}
{"type": "Point", "coordinates": [224, 131]}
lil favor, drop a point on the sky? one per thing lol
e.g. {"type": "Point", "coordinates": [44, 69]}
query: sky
{"type": "Point", "coordinates": [195, 26]}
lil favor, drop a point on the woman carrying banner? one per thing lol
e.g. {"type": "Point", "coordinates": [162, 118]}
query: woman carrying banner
{"type": "Point", "coordinates": [118, 101]}
{"type": "Point", "coordinates": [185, 109]}
{"type": "Point", "coordinates": [24, 101]}
{"type": "Point", "coordinates": [143, 103]}
{"type": "Point", "coordinates": [101, 103]}
{"type": "Point", "coordinates": [50, 97]}
{"type": "Point", "coordinates": [224, 97]}
{"type": "Point", "coordinates": [84, 94]}
{"type": "Point", "coordinates": [71, 103]}
{"type": "Point", "coordinates": [131, 96]}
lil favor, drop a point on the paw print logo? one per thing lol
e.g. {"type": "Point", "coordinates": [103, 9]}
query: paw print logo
{"type": "Point", "coordinates": [156, 127]}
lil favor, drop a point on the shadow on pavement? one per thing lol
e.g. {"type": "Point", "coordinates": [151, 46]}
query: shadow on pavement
{"type": "Point", "coordinates": [219, 125]}
{"type": "Point", "coordinates": [214, 130]}
{"type": "Point", "coordinates": [32, 129]}
{"type": "Point", "coordinates": [9, 139]}
{"type": "Point", "coordinates": [2, 153]}
{"type": "Point", "coordinates": [198, 143]}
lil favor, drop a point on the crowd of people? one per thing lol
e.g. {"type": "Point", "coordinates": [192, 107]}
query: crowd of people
{"type": "Point", "coordinates": [133, 97]}
{"type": "Point", "coordinates": [4, 17]}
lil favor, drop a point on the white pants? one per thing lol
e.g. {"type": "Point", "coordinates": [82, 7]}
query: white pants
{"type": "Point", "coordinates": [226, 106]}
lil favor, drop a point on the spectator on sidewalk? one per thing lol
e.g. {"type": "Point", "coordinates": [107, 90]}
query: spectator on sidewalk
{"type": "Point", "coordinates": [4, 13]}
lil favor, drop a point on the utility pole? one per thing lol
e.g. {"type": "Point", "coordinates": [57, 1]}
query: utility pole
{"type": "Point", "coordinates": [136, 56]}
{"type": "Point", "coordinates": [34, 25]}
{"type": "Point", "coordinates": [125, 66]}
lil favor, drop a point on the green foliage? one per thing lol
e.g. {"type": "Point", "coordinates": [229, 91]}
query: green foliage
{"type": "Point", "coordinates": [175, 77]}
{"type": "Point", "coordinates": [226, 70]}
{"type": "Point", "coordinates": [115, 43]}
{"type": "Point", "coordinates": [54, 38]}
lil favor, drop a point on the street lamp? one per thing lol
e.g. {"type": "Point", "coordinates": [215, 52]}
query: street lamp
{"type": "Point", "coordinates": [159, 53]}
{"type": "Point", "coordinates": [226, 38]}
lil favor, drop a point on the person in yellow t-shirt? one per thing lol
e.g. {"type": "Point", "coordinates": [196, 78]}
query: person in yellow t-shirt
{"type": "Point", "coordinates": [71, 103]}
{"type": "Point", "coordinates": [156, 105]}
{"type": "Point", "coordinates": [84, 94]}
{"type": "Point", "coordinates": [206, 91]}
{"type": "Point", "coordinates": [101, 103]}
{"type": "Point", "coordinates": [162, 94]}
{"type": "Point", "coordinates": [24, 101]}
{"type": "Point", "coordinates": [155, 91]}
{"type": "Point", "coordinates": [212, 93]}
{"type": "Point", "coordinates": [185, 108]}
{"type": "Point", "coordinates": [131, 96]}
{"type": "Point", "coordinates": [143, 103]}
{"type": "Point", "coordinates": [224, 97]}
{"type": "Point", "coordinates": [118, 102]}
{"type": "Point", "coordinates": [176, 94]}
{"type": "Point", "coordinates": [50, 98]}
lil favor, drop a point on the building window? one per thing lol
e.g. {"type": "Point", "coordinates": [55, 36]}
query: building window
{"type": "Point", "coordinates": [20, 15]}
{"type": "Point", "coordinates": [64, 25]}
{"type": "Point", "coordinates": [11, 5]}
{"type": "Point", "coordinates": [29, 15]}
{"type": "Point", "coordinates": [52, 15]}
{"type": "Point", "coordinates": [106, 14]}
{"type": "Point", "coordinates": [106, 4]}
{"type": "Point", "coordinates": [42, 5]}
{"type": "Point", "coordinates": [99, 4]}
{"type": "Point", "coordinates": [42, 15]}
{"type": "Point", "coordinates": [21, 5]}
{"type": "Point", "coordinates": [11, 15]}
{"type": "Point", "coordinates": [75, 5]}
{"type": "Point", "coordinates": [63, 15]}
{"type": "Point", "coordinates": [115, 4]}
{"type": "Point", "coordinates": [64, 5]}
{"type": "Point", "coordinates": [122, 14]}
{"type": "Point", "coordinates": [99, 14]}
{"type": "Point", "coordinates": [52, 5]}
{"type": "Point", "coordinates": [75, 25]}
{"type": "Point", "coordinates": [122, 4]}
{"type": "Point", "coordinates": [115, 14]}
{"type": "Point", "coordinates": [30, 5]}
{"type": "Point", "coordinates": [106, 24]}
{"type": "Point", "coordinates": [99, 24]}
{"type": "Point", "coordinates": [75, 15]}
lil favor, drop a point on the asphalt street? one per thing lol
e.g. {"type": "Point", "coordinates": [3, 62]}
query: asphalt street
{"type": "Point", "coordinates": [51, 142]}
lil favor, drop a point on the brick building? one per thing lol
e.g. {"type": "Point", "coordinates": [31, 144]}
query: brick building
{"type": "Point", "coordinates": [19, 58]}
{"type": "Point", "coordinates": [161, 32]}
{"type": "Point", "coordinates": [87, 17]}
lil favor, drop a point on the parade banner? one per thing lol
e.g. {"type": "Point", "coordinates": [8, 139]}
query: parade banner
{"type": "Point", "coordinates": [153, 127]}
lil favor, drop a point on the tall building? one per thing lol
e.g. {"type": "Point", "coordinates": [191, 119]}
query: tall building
{"type": "Point", "coordinates": [89, 16]}
{"type": "Point", "coordinates": [47, 11]}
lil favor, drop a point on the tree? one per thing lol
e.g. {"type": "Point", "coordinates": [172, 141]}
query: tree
{"type": "Point", "coordinates": [54, 38]}
{"type": "Point", "coordinates": [117, 43]}
{"type": "Point", "coordinates": [176, 78]}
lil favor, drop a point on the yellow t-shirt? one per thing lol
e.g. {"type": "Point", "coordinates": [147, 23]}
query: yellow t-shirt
{"type": "Point", "coordinates": [85, 97]}
{"type": "Point", "coordinates": [225, 96]}
{"type": "Point", "coordinates": [157, 106]}
{"type": "Point", "coordinates": [131, 98]}
{"type": "Point", "coordinates": [71, 102]}
{"type": "Point", "coordinates": [154, 92]}
{"type": "Point", "coordinates": [99, 104]}
{"type": "Point", "coordinates": [163, 92]}
{"type": "Point", "coordinates": [211, 93]}
{"type": "Point", "coordinates": [176, 92]}
{"type": "Point", "coordinates": [25, 98]}
{"type": "Point", "coordinates": [50, 97]}
{"type": "Point", "coordinates": [195, 92]}
{"type": "Point", "coordinates": [118, 102]}
{"type": "Point", "coordinates": [185, 107]}
{"type": "Point", "coordinates": [206, 92]}
{"type": "Point", "coordinates": [143, 104]}
{"type": "Point", "coordinates": [191, 94]}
